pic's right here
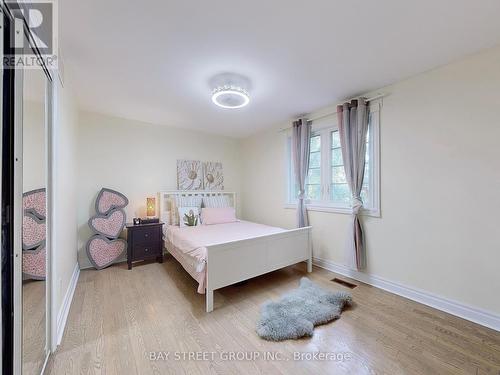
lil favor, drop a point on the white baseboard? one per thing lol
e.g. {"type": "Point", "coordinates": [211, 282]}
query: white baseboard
{"type": "Point", "coordinates": [474, 314]}
{"type": "Point", "coordinates": [45, 364]}
{"type": "Point", "coordinates": [62, 316]}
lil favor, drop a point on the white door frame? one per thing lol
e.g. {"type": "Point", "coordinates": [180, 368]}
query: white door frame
{"type": "Point", "coordinates": [18, 211]}
{"type": "Point", "coordinates": [1, 145]}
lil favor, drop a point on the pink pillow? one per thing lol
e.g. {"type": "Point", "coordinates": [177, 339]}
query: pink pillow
{"type": "Point", "coordinates": [218, 215]}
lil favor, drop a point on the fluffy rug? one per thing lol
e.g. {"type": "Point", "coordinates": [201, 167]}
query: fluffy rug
{"type": "Point", "coordinates": [298, 311]}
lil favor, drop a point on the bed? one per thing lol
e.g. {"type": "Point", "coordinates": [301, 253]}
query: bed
{"type": "Point", "coordinates": [224, 254]}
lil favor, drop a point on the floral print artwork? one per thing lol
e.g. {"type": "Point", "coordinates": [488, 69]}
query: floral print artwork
{"type": "Point", "coordinates": [189, 175]}
{"type": "Point", "coordinates": [213, 177]}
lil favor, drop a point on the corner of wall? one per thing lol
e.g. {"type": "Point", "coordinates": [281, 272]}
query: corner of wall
{"type": "Point", "coordinates": [65, 268]}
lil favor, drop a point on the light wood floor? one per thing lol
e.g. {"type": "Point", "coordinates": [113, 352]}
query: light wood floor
{"type": "Point", "coordinates": [118, 317]}
{"type": "Point", "coordinates": [33, 326]}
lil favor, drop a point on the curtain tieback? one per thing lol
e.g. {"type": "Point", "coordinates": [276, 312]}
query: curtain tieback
{"type": "Point", "coordinates": [302, 194]}
{"type": "Point", "coordinates": [357, 205]}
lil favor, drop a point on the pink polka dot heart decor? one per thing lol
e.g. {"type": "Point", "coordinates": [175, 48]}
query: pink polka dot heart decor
{"type": "Point", "coordinates": [33, 231]}
{"type": "Point", "coordinates": [110, 224]}
{"type": "Point", "coordinates": [34, 202]}
{"type": "Point", "coordinates": [102, 251]}
{"type": "Point", "coordinates": [34, 263]}
{"type": "Point", "coordinates": [108, 200]}
{"type": "Point", "coordinates": [104, 248]}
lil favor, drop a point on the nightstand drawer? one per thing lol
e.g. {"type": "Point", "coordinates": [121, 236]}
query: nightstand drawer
{"type": "Point", "coordinates": [142, 251]}
{"type": "Point", "coordinates": [146, 235]}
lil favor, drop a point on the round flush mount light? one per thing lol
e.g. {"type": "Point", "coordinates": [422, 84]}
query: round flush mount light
{"type": "Point", "coordinates": [230, 90]}
{"type": "Point", "coordinates": [231, 97]}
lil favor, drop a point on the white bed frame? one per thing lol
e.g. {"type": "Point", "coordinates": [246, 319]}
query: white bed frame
{"type": "Point", "coordinates": [236, 261]}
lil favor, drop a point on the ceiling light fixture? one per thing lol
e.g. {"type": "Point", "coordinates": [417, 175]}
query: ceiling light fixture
{"type": "Point", "coordinates": [231, 97]}
{"type": "Point", "coordinates": [230, 90]}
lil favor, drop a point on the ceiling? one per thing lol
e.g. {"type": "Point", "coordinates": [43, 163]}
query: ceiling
{"type": "Point", "coordinates": [151, 60]}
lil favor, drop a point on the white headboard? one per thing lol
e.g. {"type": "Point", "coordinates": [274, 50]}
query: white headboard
{"type": "Point", "coordinates": [166, 199]}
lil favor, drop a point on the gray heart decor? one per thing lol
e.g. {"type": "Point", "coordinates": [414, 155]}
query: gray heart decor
{"type": "Point", "coordinates": [108, 200]}
{"type": "Point", "coordinates": [110, 224]}
{"type": "Point", "coordinates": [103, 252]}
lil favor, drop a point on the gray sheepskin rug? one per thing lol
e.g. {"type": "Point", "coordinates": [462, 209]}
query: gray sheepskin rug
{"type": "Point", "coordinates": [299, 310]}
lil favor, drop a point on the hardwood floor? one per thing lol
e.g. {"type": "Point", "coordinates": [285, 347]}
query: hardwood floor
{"type": "Point", "coordinates": [33, 345]}
{"type": "Point", "coordinates": [118, 317]}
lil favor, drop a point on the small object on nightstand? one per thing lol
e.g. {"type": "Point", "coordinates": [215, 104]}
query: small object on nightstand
{"type": "Point", "coordinates": [153, 220]}
{"type": "Point", "coordinates": [137, 221]}
{"type": "Point", "coordinates": [144, 241]}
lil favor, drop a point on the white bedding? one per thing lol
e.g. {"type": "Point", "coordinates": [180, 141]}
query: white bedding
{"type": "Point", "coordinates": [189, 244]}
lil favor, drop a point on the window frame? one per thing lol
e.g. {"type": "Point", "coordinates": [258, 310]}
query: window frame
{"type": "Point", "coordinates": [324, 128]}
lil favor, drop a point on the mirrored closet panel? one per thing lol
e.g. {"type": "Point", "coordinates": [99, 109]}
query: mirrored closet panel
{"type": "Point", "coordinates": [34, 222]}
{"type": "Point", "coordinates": [25, 215]}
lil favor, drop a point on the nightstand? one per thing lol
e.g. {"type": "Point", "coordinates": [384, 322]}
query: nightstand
{"type": "Point", "coordinates": [144, 241]}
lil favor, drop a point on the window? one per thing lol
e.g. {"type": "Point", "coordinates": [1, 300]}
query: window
{"type": "Point", "coordinates": [339, 190]}
{"type": "Point", "coordinates": [313, 181]}
{"type": "Point", "coordinates": [326, 185]}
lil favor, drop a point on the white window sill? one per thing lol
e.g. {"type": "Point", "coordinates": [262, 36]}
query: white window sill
{"type": "Point", "coordinates": [336, 210]}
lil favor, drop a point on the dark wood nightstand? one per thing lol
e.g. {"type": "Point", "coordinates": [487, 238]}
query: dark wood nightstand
{"type": "Point", "coordinates": [144, 241]}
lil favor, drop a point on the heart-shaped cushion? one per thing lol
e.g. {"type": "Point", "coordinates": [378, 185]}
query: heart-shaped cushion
{"type": "Point", "coordinates": [108, 200]}
{"type": "Point", "coordinates": [102, 251]}
{"type": "Point", "coordinates": [110, 224]}
{"type": "Point", "coordinates": [34, 202]}
{"type": "Point", "coordinates": [34, 263]}
{"type": "Point", "coordinates": [33, 231]}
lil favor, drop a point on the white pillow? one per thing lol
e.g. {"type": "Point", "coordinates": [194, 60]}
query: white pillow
{"type": "Point", "coordinates": [188, 201]}
{"type": "Point", "coordinates": [189, 216]}
{"type": "Point", "coordinates": [216, 201]}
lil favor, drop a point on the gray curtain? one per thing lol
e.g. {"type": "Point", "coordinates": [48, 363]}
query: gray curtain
{"type": "Point", "coordinates": [353, 126]}
{"type": "Point", "coordinates": [300, 154]}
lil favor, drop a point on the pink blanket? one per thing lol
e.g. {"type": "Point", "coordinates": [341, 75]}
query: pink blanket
{"type": "Point", "coordinates": [189, 244]}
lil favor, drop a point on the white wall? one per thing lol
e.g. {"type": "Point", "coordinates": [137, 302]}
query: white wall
{"type": "Point", "coordinates": [34, 156]}
{"type": "Point", "coordinates": [64, 187]}
{"type": "Point", "coordinates": [440, 179]}
{"type": "Point", "coordinates": [139, 160]}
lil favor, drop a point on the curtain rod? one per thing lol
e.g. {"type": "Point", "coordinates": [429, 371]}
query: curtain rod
{"type": "Point", "coordinates": [378, 96]}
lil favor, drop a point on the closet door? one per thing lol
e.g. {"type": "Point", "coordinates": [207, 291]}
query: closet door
{"type": "Point", "coordinates": [25, 246]}
{"type": "Point", "coordinates": [35, 246]}
{"type": "Point", "coordinates": [34, 222]}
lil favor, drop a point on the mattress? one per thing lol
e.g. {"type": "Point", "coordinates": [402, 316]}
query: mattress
{"type": "Point", "coordinates": [189, 244]}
